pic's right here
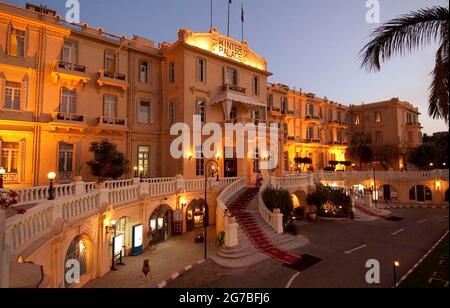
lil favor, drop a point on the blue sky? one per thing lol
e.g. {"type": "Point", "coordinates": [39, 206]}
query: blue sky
{"type": "Point", "coordinates": [310, 44]}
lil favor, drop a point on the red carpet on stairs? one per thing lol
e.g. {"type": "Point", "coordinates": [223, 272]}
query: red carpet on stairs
{"type": "Point", "coordinates": [253, 230]}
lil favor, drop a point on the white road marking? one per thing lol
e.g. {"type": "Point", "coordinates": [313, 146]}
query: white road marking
{"type": "Point", "coordinates": [292, 280]}
{"type": "Point", "coordinates": [175, 276]}
{"type": "Point", "coordinates": [397, 232]}
{"type": "Point", "coordinates": [162, 284]}
{"type": "Point", "coordinates": [355, 249]}
{"type": "Point", "coordinates": [187, 268]}
{"type": "Point", "coordinates": [422, 221]}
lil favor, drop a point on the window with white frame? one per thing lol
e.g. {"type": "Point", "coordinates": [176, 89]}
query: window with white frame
{"type": "Point", "coordinates": [310, 109]}
{"type": "Point", "coordinates": [357, 119]}
{"type": "Point", "coordinates": [201, 109]}
{"type": "Point", "coordinates": [68, 103]}
{"type": "Point", "coordinates": [201, 69]}
{"type": "Point", "coordinates": [231, 76]}
{"type": "Point", "coordinates": [145, 112]}
{"type": "Point", "coordinates": [68, 53]}
{"type": "Point", "coordinates": [310, 133]}
{"type": "Point", "coordinates": [17, 42]}
{"type": "Point", "coordinates": [110, 108]}
{"type": "Point", "coordinates": [110, 61]}
{"type": "Point", "coordinates": [13, 93]}
{"type": "Point", "coordinates": [143, 71]}
{"type": "Point", "coordinates": [144, 160]}
{"type": "Point", "coordinates": [65, 161]}
{"type": "Point", "coordinates": [172, 112]}
{"type": "Point", "coordinates": [330, 115]}
{"type": "Point", "coordinates": [10, 156]}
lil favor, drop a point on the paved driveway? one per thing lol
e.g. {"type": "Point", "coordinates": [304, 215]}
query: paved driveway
{"type": "Point", "coordinates": [344, 248]}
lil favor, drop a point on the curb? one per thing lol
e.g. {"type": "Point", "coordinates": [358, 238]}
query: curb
{"type": "Point", "coordinates": [175, 275]}
{"type": "Point", "coordinates": [420, 261]}
{"type": "Point", "coordinates": [387, 207]}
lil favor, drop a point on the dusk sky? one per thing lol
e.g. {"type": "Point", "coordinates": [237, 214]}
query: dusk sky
{"type": "Point", "coordinates": [309, 44]}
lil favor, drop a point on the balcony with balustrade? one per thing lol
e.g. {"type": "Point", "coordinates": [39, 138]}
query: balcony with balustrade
{"type": "Point", "coordinates": [71, 73]}
{"type": "Point", "coordinates": [313, 119]}
{"type": "Point", "coordinates": [112, 123]}
{"type": "Point", "coordinates": [112, 79]}
{"type": "Point", "coordinates": [69, 120]}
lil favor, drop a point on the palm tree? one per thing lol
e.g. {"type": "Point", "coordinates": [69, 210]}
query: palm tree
{"type": "Point", "coordinates": [407, 33]}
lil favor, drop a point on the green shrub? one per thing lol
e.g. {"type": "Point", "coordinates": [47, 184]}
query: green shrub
{"type": "Point", "coordinates": [330, 201]}
{"type": "Point", "coordinates": [277, 198]}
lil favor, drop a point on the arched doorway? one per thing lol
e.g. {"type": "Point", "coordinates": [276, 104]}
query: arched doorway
{"type": "Point", "coordinates": [299, 200]}
{"type": "Point", "coordinates": [387, 193]}
{"type": "Point", "coordinates": [161, 224]}
{"type": "Point", "coordinates": [420, 193]}
{"type": "Point", "coordinates": [79, 250]}
{"type": "Point", "coordinates": [446, 195]}
{"type": "Point", "coordinates": [123, 226]}
{"type": "Point", "coordinates": [195, 214]}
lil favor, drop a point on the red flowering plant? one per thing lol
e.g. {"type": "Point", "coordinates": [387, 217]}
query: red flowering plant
{"type": "Point", "coordinates": [8, 198]}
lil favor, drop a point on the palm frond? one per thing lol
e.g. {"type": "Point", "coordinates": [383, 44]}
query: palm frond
{"type": "Point", "coordinates": [403, 35]}
{"type": "Point", "coordinates": [438, 101]}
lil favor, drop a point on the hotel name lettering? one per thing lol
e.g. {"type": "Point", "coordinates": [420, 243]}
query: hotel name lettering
{"type": "Point", "coordinates": [229, 49]}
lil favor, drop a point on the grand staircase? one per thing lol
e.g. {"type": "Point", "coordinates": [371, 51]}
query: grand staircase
{"type": "Point", "coordinates": [257, 240]}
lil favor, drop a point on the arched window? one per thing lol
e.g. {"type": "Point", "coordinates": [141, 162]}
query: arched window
{"type": "Point", "coordinates": [78, 251]}
{"type": "Point", "coordinates": [420, 193]}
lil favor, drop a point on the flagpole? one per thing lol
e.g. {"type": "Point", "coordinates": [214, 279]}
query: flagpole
{"type": "Point", "coordinates": [242, 20]}
{"type": "Point", "coordinates": [211, 15]}
{"type": "Point", "coordinates": [228, 26]}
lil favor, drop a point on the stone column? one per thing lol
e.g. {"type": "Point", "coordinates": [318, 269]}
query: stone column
{"type": "Point", "coordinates": [278, 221]}
{"type": "Point", "coordinates": [231, 232]}
{"type": "Point", "coordinates": [4, 252]}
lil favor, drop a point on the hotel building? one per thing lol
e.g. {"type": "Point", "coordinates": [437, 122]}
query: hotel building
{"type": "Point", "coordinates": [64, 85]}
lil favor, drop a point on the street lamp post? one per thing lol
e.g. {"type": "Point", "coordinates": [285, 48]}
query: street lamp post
{"type": "Point", "coordinates": [2, 172]}
{"type": "Point", "coordinates": [214, 172]}
{"type": "Point", "coordinates": [396, 265]}
{"type": "Point", "coordinates": [51, 176]}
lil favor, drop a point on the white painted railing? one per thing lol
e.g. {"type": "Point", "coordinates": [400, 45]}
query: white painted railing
{"type": "Point", "coordinates": [22, 230]}
{"type": "Point", "coordinates": [78, 206]}
{"type": "Point", "coordinates": [36, 194]}
{"type": "Point", "coordinates": [228, 192]}
{"type": "Point", "coordinates": [265, 213]}
{"type": "Point", "coordinates": [293, 182]}
{"type": "Point", "coordinates": [382, 175]}
{"type": "Point", "coordinates": [225, 182]}
{"type": "Point", "coordinates": [158, 180]}
{"type": "Point", "coordinates": [78, 200]}
{"type": "Point", "coordinates": [194, 185]}
{"type": "Point", "coordinates": [162, 188]}
{"type": "Point", "coordinates": [124, 195]}
{"type": "Point", "coordinates": [118, 184]}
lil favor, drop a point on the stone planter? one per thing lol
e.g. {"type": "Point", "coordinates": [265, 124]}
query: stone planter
{"type": "Point", "coordinates": [78, 178]}
{"type": "Point", "coordinates": [100, 185]}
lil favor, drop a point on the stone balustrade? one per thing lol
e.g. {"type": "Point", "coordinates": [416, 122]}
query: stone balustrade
{"type": "Point", "coordinates": [80, 199]}
{"type": "Point", "coordinates": [382, 175]}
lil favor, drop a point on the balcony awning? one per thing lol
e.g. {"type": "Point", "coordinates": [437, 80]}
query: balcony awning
{"type": "Point", "coordinates": [238, 98]}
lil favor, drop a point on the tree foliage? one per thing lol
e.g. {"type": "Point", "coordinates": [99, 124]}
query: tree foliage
{"type": "Point", "coordinates": [360, 149]}
{"type": "Point", "coordinates": [107, 162]}
{"type": "Point", "coordinates": [433, 150]}
{"type": "Point", "coordinates": [411, 32]}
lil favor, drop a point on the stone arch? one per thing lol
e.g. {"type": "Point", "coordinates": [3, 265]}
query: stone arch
{"type": "Point", "coordinates": [420, 193]}
{"type": "Point", "coordinates": [80, 250]}
{"type": "Point", "coordinates": [195, 214]}
{"type": "Point", "coordinates": [387, 192]}
{"type": "Point", "coordinates": [300, 195]}
{"type": "Point", "coordinates": [160, 224]}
